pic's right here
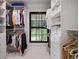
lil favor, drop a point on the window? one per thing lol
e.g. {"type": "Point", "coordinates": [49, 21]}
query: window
{"type": "Point", "coordinates": [38, 27]}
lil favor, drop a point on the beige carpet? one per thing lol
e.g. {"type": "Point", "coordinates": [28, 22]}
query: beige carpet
{"type": "Point", "coordinates": [35, 51]}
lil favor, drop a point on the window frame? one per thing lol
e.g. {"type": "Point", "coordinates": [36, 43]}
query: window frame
{"type": "Point", "coordinates": [30, 13]}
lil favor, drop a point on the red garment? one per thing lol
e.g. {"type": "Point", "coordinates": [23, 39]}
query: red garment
{"type": "Point", "coordinates": [21, 17]}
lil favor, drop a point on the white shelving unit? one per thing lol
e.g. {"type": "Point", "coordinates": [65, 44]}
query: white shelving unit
{"type": "Point", "coordinates": [2, 29]}
{"type": "Point", "coordinates": [53, 14]}
{"type": "Point", "coordinates": [53, 17]}
{"type": "Point", "coordinates": [67, 22]}
{"type": "Point", "coordinates": [54, 3]}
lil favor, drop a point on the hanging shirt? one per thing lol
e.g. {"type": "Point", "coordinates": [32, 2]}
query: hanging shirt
{"type": "Point", "coordinates": [10, 17]}
{"type": "Point", "coordinates": [18, 17]}
{"type": "Point", "coordinates": [14, 17]}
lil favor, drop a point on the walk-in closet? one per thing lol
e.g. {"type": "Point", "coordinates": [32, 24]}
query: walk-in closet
{"type": "Point", "coordinates": [15, 34]}
{"type": "Point", "coordinates": [38, 29]}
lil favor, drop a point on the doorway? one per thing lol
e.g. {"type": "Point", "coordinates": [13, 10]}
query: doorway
{"type": "Point", "coordinates": [38, 27]}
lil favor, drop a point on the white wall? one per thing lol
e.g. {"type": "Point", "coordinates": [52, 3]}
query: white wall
{"type": "Point", "coordinates": [34, 7]}
{"type": "Point", "coordinates": [70, 14]}
{"type": "Point", "coordinates": [69, 17]}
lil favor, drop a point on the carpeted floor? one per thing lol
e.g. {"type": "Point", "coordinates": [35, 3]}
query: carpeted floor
{"type": "Point", "coordinates": [35, 51]}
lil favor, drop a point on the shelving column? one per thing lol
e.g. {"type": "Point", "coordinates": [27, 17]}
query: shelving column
{"type": "Point", "coordinates": [2, 29]}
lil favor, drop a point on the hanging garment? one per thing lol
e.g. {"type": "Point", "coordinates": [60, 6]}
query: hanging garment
{"type": "Point", "coordinates": [18, 18]}
{"type": "Point", "coordinates": [13, 40]}
{"type": "Point", "coordinates": [17, 42]}
{"type": "Point", "coordinates": [7, 38]}
{"type": "Point", "coordinates": [10, 39]}
{"type": "Point", "coordinates": [14, 20]}
{"type": "Point", "coordinates": [21, 17]}
{"type": "Point", "coordinates": [14, 17]}
{"type": "Point", "coordinates": [24, 45]}
{"type": "Point", "coordinates": [10, 17]}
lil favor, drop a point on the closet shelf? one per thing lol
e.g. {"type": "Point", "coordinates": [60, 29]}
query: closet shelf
{"type": "Point", "coordinates": [59, 23]}
{"type": "Point", "coordinates": [2, 32]}
{"type": "Point", "coordinates": [53, 14]}
{"type": "Point", "coordinates": [2, 18]}
{"type": "Point", "coordinates": [2, 29]}
{"type": "Point", "coordinates": [1, 11]}
{"type": "Point", "coordinates": [56, 13]}
{"type": "Point", "coordinates": [55, 5]}
{"type": "Point", "coordinates": [72, 30]}
{"type": "Point", "coordinates": [16, 29]}
{"type": "Point", "coordinates": [2, 21]}
{"type": "Point", "coordinates": [2, 25]}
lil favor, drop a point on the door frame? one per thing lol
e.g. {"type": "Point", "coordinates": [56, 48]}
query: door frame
{"type": "Point", "coordinates": [34, 27]}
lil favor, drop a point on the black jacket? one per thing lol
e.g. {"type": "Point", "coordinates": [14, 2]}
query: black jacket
{"type": "Point", "coordinates": [24, 45]}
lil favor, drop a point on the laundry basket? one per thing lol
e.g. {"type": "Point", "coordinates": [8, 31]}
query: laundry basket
{"type": "Point", "coordinates": [74, 53]}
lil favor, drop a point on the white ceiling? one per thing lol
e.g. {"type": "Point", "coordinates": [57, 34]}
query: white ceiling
{"type": "Point", "coordinates": [37, 0]}
{"type": "Point", "coordinates": [30, 1]}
